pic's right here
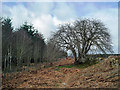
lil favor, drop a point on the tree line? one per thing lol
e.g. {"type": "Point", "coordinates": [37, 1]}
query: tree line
{"type": "Point", "coordinates": [26, 45]}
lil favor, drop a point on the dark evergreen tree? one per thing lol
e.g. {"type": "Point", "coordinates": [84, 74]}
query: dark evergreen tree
{"type": "Point", "coordinates": [6, 42]}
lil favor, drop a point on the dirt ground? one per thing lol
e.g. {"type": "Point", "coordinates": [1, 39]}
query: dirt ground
{"type": "Point", "coordinates": [100, 75]}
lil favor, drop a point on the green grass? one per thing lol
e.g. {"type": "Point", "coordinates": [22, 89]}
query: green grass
{"type": "Point", "coordinates": [67, 66]}
{"type": "Point", "coordinates": [80, 66]}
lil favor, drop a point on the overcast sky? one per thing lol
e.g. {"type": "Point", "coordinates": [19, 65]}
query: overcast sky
{"type": "Point", "coordinates": [46, 16]}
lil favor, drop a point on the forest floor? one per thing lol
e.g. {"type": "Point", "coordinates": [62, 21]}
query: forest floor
{"type": "Point", "coordinates": [63, 74]}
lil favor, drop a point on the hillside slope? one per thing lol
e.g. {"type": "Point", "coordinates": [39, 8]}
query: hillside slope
{"type": "Point", "coordinates": [63, 75]}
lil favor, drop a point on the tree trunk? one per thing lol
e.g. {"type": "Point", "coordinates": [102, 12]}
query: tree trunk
{"type": "Point", "coordinates": [76, 61]}
{"type": "Point", "coordinates": [5, 62]}
{"type": "Point", "coordinates": [75, 56]}
{"type": "Point", "coordinates": [10, 62]}
{"type": "Point", "coordinates": [10, 57]}
{"type": "Point", "coordinates": [82, 58]}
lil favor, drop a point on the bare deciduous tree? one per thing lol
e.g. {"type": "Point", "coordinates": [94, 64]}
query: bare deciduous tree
{"type": "Point", "coordinates": [83, 36]}
{"type": "Point", "coordinates": [53, 52]}
{"type": "Point", "coordinates": [21, 43]}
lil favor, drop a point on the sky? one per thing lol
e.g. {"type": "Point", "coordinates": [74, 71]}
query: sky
{"type": "Point", "coordinates": [46, 16]}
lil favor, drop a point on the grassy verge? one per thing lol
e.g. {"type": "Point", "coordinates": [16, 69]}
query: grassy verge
{"type": "Point", "coordinates": [81, 66]}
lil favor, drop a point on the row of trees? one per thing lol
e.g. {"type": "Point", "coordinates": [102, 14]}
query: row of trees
{"type": "Point", "coordinates": [82, 37]}
{"type": "Point", "coordinates": [25, 45]}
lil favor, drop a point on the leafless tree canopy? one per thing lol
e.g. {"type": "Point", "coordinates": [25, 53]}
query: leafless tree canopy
{"type": "Point", "coordinates": [82, 37]}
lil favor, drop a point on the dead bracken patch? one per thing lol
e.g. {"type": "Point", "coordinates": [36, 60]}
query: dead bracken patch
{"type": "Point", "coordinates": [101, 75]}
